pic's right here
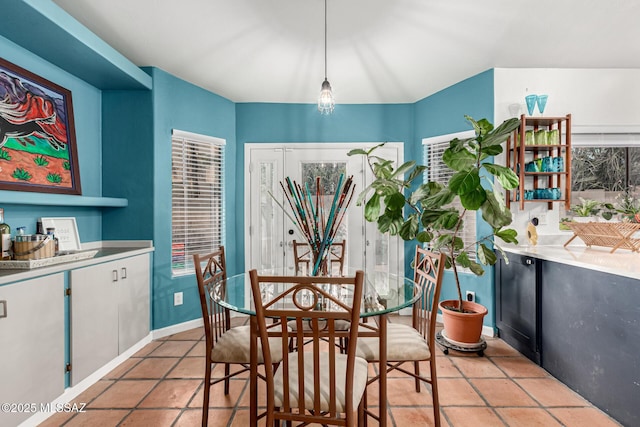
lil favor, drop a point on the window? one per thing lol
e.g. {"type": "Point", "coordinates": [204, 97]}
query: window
{"type": "Point", "coordinates": [604, 165]}
{"type": "Point", "coordinates": [439, 172]}
{"type": "Point", "coordinates": [197, 202]}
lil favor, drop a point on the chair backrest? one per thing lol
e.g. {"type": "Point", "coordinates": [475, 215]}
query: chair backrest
{"type": "Point", "coordinates": [315, 304]}
{"type": "Point", "coordinates": [302, 257]}
{"type": "Point", "coordinates": [211, 269]}
{"type": "Point", "coordinates": [428, 272]}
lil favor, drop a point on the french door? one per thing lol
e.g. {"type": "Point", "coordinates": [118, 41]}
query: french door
{"type": "Point", "coordinates": [270, 232]}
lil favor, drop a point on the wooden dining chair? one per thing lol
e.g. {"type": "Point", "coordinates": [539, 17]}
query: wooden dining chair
{"type": "Point", "coordinates": [414, 343]}
{"type": "Point", "coordinates": [315, 383]}
{"type": "Point", "coordinates": [223, 344]}
{"type": "Point", "coordinates": [302, 257]}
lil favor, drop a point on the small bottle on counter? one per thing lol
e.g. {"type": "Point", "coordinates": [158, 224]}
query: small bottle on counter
{"type": "Point", "coordinates": [51, 231]}
{"type": "Point", "coordinates": [5, 238]}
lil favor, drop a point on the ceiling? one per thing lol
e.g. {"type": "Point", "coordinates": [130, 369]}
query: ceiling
{"type": "Point", "coordinates": [379, 51]}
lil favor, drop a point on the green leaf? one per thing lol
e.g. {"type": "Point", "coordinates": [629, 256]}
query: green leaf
{"type": "Point", "coordinates": [508, 235]}
{"type": "Point", "coordinates": [458, 243]}
{"type": "Point", "coordinates": [357, 151]}
{"type": "Point", "coordinates": [476, 268]}
{"type": "Point", "coordinates": [422, 192]}
{"type": "Point", "coordinates": [486, 255]}
{"type": "Point", "coordinates": [395, 201]}
{"type": "Point", "coordinates": [463, 260]}
{"type": "Point", "coordinates": [501, 133]}
{"type": "Point", "coordinates": [459, 160]}
{"type": "Point", "coordinates": [495, 213]}
{"type": "Point", "coordinates": [464, 182]}
{"type": "Point", "coordinates": [492, 150]}
{"type": "Point", "coordinates": [507, 178]}
{"type": "Point", "coordinates": [447, 220]}
{"type": "Point", "coordinates": [409, 229]}
{"type": "Point", "coordinates": [390, 222]}
{"type": "Point", "coordinates": [417, 171]}
{"type": "Point", "coordinates": [372, 208]}
{"type": "Point", "coordinates": [442, 198]}
{"type": "Point", "coordinates": [474, 200]}
{"type": "Point", "coordinates": [424, 236]}
{"type": "Point", "coordinates": [405, 167]}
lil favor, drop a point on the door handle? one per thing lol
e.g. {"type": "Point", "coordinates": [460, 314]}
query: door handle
{"type": "Point", "coordinates": [114, 276]}
{"type": "Point", "coordinates": [3, 304]}
{"type": "Point", "coordinates": [123, 273]}
{"type": "Point", "coordinates": [528, 261]}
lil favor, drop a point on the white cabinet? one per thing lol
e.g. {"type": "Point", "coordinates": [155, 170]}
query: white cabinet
{"type": "Point", "coordinates": [32, 363]}
{"type": "Point", "coordinates": [109, 312]}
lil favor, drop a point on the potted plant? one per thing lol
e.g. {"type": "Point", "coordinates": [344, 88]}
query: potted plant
{"type": "Point", "coordinates": [586, 211]}
{"type": "Point", "coordinates": [433, 219]}
{"type": "Point", "coordinates": [628, 207]}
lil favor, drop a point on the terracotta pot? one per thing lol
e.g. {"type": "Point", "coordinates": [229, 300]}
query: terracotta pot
{"type": "Point", "coordinates": [463, 327]}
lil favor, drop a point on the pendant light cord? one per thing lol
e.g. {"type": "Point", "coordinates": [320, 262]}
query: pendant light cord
{"type": "Point", "coordinates": [325, 39]}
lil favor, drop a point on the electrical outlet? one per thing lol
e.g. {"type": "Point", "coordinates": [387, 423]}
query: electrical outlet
{"type": "Point", "coordinates": [470, 296]}
{"type": "Point", "coordinates": [177, 298]}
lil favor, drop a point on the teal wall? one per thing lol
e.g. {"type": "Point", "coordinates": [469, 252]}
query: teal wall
{"type": "Point", "coordinates": [181, 105]}
{"type": "Point", "coordinates": [87, 113]}
{"type": "Point", "coordinates": [443, 113]}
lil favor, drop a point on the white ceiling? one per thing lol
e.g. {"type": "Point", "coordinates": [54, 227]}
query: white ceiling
{"type": "Point", "coordinates": [379, 51]}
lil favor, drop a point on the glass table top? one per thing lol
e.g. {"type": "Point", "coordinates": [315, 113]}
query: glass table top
{"type": "Point", "coordinates": [383, 293]}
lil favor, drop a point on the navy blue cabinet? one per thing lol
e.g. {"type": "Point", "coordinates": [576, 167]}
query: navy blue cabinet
{"type": "Point", "coordinates": [517, 303]}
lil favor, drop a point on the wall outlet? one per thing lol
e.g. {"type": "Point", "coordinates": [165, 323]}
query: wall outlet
{"type": "Point", "coordinates": [470, 296]}
{"type": "Point", "coordinates": [177, 298]}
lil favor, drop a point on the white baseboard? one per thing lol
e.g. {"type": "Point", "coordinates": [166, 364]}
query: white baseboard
{"type": "Point", "coordinates": [72, 392]}
{"type": "Point", "coordinates": [174, 329]}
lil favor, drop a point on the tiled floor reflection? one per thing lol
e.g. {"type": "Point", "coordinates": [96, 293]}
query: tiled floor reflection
{"type": "Point", "coordinates": [161, 385]}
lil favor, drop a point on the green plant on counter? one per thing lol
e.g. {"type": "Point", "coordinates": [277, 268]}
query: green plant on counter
{"type": "Point", "coordinates": [4, 155]}
{"type": "Point", "coordinates": [431, 216]}
{"type": "Point", "coordinates": [21, 174]}
{"type": "Point", "coordinates": [607, 210]}
{"type": "Point", "coordinates": [628, 204]}
{"type": "Point", "coordinates": [587, 207]}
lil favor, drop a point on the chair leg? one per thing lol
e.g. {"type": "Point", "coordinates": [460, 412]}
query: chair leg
{"type": "Point", "coordinates": [227, 371]}
{"type": "Point", "coordinates": [434, 393]}
{"type": "Point", "coordinates": [206, 393]}
{"type": "Point", "coordinates": [417, 371]}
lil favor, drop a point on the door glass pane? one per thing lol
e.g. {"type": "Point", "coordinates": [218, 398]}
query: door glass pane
{"type": "Point", "coordinates": [329, 174]}
{"type": "Point", "coordinates": [269, 218]}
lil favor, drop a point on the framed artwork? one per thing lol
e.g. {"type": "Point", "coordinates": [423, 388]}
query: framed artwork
{"type": "Point", "coordinates": [37, 134]}
{"type": "Point", "coordinates": [66, 230]}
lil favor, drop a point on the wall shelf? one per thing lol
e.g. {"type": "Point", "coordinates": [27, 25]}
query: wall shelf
{"type": "Point", "coordinates": [43, 199]}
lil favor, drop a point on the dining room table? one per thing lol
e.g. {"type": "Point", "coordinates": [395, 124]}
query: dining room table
{"type": "Point", "coordinates": [383, 293]}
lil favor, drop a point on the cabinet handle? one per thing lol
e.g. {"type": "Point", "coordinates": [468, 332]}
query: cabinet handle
{"type": "Point", "coordinates": [123, 273]}
{"type": "Point", "coordinates": [528, 261]}
{"type": "Point", "coordinates": [3, 304]}
{"type": "Point", "coordinates": [114, 276]}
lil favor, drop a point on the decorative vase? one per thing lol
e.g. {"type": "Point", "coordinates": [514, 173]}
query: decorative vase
{"type": "Point", "coordinates": [465, 327]}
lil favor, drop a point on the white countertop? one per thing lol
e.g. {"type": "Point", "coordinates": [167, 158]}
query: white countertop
{"type": "Point", "coordinates": [108, 250]}
{"type": "Point", "coordinates": [622, 262]}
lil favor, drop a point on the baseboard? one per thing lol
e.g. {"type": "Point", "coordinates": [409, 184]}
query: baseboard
{"type": "Point", "coordinates": [72, 392]}
{"type": "Point", "coordinates": [175, 329]}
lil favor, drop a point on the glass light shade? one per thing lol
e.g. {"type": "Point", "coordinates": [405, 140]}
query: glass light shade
{"type": "Point", "coordinates": [326, 103]}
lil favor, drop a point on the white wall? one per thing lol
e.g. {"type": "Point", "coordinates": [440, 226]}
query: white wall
{"type": "Point", "coordinates": [599, 100]}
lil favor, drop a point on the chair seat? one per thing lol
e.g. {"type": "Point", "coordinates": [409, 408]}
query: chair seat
{"type": "Point", "coordinates": [404, 343]}
{"type": "Point", "coordinates": [340, 325]}
{"type": "Point", "coordinates": [234, 347]}
{"type": "Point", "coordinates": [359, 382]}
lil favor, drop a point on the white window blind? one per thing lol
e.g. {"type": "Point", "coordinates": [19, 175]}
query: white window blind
{"type": "Point", "coordinates": [440, 172]}
{"type": "Point", "coordinates": [197, 202]}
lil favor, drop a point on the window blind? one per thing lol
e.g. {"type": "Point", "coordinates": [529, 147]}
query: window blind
{"type": "Point", "coordinates": [439, 172]}
{"type": "Point", "coordinates": [197, 202]}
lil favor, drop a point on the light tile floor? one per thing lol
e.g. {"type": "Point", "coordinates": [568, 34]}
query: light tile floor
{"type": "Point", "coordinates": [161, 385]}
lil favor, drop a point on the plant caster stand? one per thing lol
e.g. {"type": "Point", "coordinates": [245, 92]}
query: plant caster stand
{"type": "Point", "coordinates": [446, 344]}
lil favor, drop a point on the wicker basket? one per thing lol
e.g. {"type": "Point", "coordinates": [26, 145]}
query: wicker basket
{"type": "Point", "coordinates": [33, 246]}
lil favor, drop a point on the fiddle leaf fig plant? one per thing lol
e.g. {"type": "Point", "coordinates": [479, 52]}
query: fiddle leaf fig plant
{"type": "Point", "coordinates": [426, 212]}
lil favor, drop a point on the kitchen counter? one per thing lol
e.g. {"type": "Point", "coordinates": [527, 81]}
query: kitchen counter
{"type": "Point", "coordinates": [622, 262]}
{"type": "Point", "coordinates": [107, 251]}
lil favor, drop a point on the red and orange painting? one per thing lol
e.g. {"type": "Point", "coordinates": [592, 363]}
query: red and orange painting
{"type": "Point", "coordinates": [37, 135]}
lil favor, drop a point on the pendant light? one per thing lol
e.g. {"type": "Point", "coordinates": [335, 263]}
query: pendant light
{"type": "Point", "coordinates": [326, 103]}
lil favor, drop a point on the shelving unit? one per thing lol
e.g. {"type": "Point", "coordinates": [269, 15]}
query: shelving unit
{"type": "Point", "coordinates": [519, 155]}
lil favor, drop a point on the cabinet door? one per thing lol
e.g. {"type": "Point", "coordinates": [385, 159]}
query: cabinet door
{"type": "Point", "coordinates": [133, 295]}
{"type": "Point", "coordinates": [32, 364]}
{"type": "Point", "coordinates": [517, 303]}
{"type": "Point", "coordinates": [94, 318]}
